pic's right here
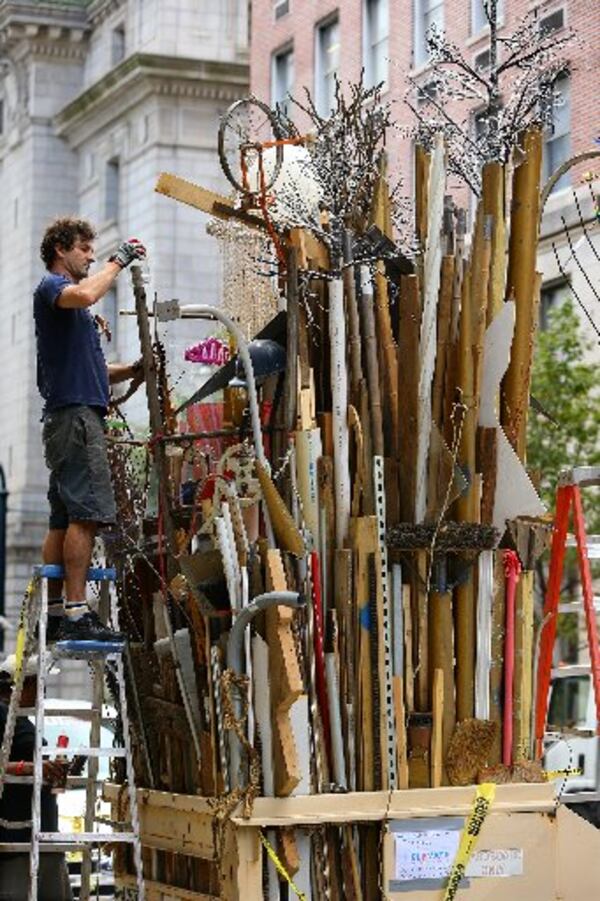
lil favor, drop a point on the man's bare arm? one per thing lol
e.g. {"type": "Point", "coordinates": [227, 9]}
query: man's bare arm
{"type": "Point", "coordinates": [121, 372]}
{"type": "Point", "coordinates": [89, 290]}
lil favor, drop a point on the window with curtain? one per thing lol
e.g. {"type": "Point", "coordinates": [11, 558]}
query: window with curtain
{"type": "Point", "coordinates": [376, 41]}
{"type": "Point", "coordinates": [282, 78]}
{"type": "Point", "coordinates": [428, 13]}
{"type": "Point", "coordinates": [479, 20]}
{"type": "Point", "coordinates": [327, 65]}
{"type": "Point", "coordinates": [557, 143]}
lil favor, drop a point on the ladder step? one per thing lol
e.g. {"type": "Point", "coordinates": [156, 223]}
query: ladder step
{"type": "Point", "coordinates": [84, 752]}
{"type": "Point", "coordinates": [94, 574]}
{"type": "Point", "coordinates": [87, 650]}
{"type": "Point", "coordinates": [584, 476]}
{"type": "Point", "coordinates": [85, 838]}
{"type": "Point", "coordinates": [592, 545]}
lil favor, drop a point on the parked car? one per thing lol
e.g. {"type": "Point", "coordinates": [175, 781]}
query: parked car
{"type": "Point", "coordinates": [570, 742]}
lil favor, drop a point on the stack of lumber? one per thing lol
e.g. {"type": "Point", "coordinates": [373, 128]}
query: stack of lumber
{"type": "Point", "coordinates": [392, 492]}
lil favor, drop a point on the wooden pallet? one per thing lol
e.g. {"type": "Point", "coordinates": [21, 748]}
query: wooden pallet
{"type": "Point", "coordinates": [561, 852]}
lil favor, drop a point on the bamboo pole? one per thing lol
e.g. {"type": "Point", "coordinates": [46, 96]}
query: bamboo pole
{"type": "Point", "coordinates": [409, 327]}
{"type": "Point", "coordinates": [441, 659]}
{"type": "Point", "coordinates": [465, 382]}
{"type": "Point", "coordinates": [523, 680]}
{"type": "Point", "coordinates": [493, 191]}
{"type": "Point", "coordinates": [388, 351]}
{"type": "Point", "coordinates": [524, 230]}
{"type": "Point", "coordinates": [437, 732]}
{"type": "Point", "coordinates": [354, 348]}
{"type": "Point", "coordinates": [422, 162]}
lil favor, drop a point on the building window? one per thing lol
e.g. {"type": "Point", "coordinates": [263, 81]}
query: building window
{"type": "Point", "coordinates": [282, 79]}
{"type": "Point", "coordinates": [557, 143]}
{"type": "Point", "coordinates": [111, 192]}
{"type": "Point", "coordinates": [554, 21]}
{"type": "Point", "coordinates": [109, 309]}
{"type": "Point", "coordinates": [327, 64]}
{"type": "Point", "coordinates": [117, 52]}
{"type": "Point", "coordinates": [479, 20]}
{"type": "Point", "coordinates": [376, 41]}
{"type": "Point", "coordinates": [552, 295]}
{"type": "Point", "coordinates": [281, 8]}
{"type": "Point", "coordinates": [428, 14]}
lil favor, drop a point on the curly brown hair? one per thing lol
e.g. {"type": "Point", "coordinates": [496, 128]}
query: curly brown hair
{"type": "Point", "coordinates": [64, 232]}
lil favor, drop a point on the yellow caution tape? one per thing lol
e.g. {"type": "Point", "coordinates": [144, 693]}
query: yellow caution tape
{"type": "Point", "coordinates": [485, 794]}
{"type": "Point", "coordinates": [22, 633]}
{"type": "Point", "coordinates": [280, 867]}
{"type": "Point", "coordinates": [556, 774]}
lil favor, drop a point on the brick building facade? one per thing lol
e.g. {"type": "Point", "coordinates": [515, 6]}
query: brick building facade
{"type": "Point", "coordinates": [300, 43]}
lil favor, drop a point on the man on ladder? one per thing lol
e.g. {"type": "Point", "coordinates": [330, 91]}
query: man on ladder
{"type": "Point", "coordinates": [15, 805]}
{"type": "Point", "coordinates": [73, 380]}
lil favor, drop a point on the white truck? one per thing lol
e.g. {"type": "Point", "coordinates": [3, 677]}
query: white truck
{"type": "Point", "coordinates": [571, 743]}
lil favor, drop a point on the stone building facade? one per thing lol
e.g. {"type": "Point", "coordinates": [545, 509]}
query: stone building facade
{"type": "Point", "coordinates": [300, 43]}
{"type": "Point", "coordinates": [97, 98]}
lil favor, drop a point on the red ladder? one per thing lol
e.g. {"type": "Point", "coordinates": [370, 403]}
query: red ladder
{"type": "Point", "coordinates": [568, 496]}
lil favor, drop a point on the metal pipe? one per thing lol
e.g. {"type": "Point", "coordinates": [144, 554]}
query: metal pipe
{"type": "Point", "coordinates": [235, 661]}
{"type": "Point", "coordinates": [204, 311]}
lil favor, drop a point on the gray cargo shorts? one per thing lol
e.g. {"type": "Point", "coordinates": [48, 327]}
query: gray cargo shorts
{"type": "Point", "coordinates": [76, 455]}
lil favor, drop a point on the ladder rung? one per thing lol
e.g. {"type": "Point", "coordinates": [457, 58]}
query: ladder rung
{"type": "Point", "coordinates": [25, 847]}
{"type": "Point", "coordinates": [94, 574]}
{"type": "Point", "coordinates": [85, 838]}
{"type": "Point", "coordinates": [84, 752]}
{"type": "Point", "coordinates": [79, 713]}
{"type": "Point", "coordinates": [592, 545]}
{"type": "Point", "coordinates": [579, 797]}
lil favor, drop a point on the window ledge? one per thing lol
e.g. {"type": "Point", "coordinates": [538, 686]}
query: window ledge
{"type": "Point", "coordinates": [420, 69]}
{"type": "Point", "coordinates": [481, 34]}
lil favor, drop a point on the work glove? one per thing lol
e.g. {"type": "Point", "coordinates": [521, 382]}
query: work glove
{"type": "Point", "coordinates": [127, 252]}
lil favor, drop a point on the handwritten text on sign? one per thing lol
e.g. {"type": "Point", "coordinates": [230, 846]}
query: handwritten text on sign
{"type": "Point", "coordinates": [429, 855]}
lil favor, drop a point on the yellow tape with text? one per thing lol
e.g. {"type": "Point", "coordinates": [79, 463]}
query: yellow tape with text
{"type": "Point", "coordinates": [485, 794]}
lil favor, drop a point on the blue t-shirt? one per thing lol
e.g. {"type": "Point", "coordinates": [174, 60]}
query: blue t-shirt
{"type": "Point", "coordinates": [71, 368]}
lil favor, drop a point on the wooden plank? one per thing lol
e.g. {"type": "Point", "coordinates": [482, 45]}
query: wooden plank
{"type": "Point", "coordinates": [202, 199]}
{"type": "Point", "coordinates": [241, 864]}
{"type": "Point", "coordinates": [356, 807]}
{"type": "Point", "coordinates": [158, 891]}
{"type": "Point", "coordinates": [285, 679]}
{"type": "Point", "coordinates": [363, 534]}
{"type": "Point", "coordinates": [401, 738]}
{"type": "Point", "coordinates": [177, 826]}
{"type": "Point", "coordinates": [437, 751]}
{"type": "Point", "coordinates": [464, 623]}
{"type": "Point", "coordinates": [409, 676]}
{"type": "Point", "coordinates": [441, 657]}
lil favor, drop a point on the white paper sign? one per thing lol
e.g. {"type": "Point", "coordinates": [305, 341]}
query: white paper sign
{"type": "Point", "coordinates": [496, 862]}
{"type": "Point", "coordinates": [425, 855]}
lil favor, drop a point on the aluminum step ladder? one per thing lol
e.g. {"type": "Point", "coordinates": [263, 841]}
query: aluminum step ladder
{"type": "Point", "coordinates": [96, 655]}
{"type": "Point", "coordinates": [568, 499]}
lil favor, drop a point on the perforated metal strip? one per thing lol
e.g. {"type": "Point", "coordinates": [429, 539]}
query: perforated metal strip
{"type": "Point", "coordinates": [386, 688]}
